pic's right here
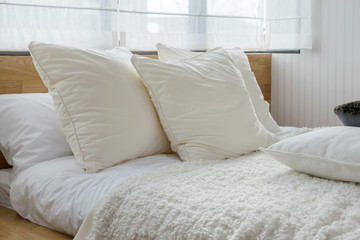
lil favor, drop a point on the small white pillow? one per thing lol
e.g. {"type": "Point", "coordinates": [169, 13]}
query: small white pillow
{"type": "Point", "coordinates": [104, 109]}
{"type": "Point", "coordinates": [29, 130]}
{"type": "Point", "coordinates": [242, 63]}
{"type": "Point", "coordinates": [203, 106]}
{"type": "Point", "coordinates": [331, 153]}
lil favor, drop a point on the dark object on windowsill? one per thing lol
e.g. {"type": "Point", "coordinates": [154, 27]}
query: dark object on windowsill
{"type": "Point", "coordinates": [349, 113]}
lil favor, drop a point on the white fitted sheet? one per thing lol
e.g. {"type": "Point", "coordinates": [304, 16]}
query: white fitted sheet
{"type": "Point", "coordinates": [5, 178]}
{"type": "Point", "coordinates": [58, 194]}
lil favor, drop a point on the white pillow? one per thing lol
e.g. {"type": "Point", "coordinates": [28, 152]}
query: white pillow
{"type": "Point", "coordinates": [203, 106]}
{"type": "Point", "coordinates": [29, 130]}
{"type": "Point", "coordinates": [104, 109]}
{"type": "Point", "coordinates": [331, 153]}
{"type": "Point", "coordinates": [242, 63]}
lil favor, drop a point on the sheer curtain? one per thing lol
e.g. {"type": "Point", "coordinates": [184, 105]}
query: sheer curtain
{"type": "Point", "coordinates": [287, 24]}
{"type": "Point", "coordinates": [140, 24]}
{"type": "Point", "coordinates": [76, 23]}
{"type": "Point", "coordinates": [192, 24]}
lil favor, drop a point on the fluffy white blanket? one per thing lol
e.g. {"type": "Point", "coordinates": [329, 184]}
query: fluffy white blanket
{"type": "Point", "coordinates": [251, 197]}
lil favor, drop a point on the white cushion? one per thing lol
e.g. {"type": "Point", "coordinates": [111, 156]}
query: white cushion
{"type": "Point", "coordinates": [29, 130]}
{"type": "Point", "coordinates": [331, 153]}
{"type": "Point", "coordinates": [166, 52]}
{"type": "Point", "coordinates": [203, 106]}
{"type": "Point", "coordinates": [242, 63]}
{"type": "Point", "coordinates": [104, 109]}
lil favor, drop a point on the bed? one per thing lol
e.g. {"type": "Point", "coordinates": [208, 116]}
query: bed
{"type": "Point", "coordinates": [248, 197]}
{"type": "Point", "coordinates": [18, 75]}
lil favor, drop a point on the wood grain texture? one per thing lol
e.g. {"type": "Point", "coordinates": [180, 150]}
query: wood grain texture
{"type": "Point", "coordinates": [261, 66]}
{"type": "Point", "coordinates": [18, 75]}
{"type": "Point", "coordinates": [13, 227]}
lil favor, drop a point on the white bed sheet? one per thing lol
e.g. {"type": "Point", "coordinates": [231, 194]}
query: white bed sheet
{"type": "Point", "coordinates": [5, 178]}
{"type": "Point", "coordinates": [58, 194]}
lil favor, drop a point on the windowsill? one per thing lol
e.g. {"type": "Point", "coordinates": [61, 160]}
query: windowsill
{"type": "Point", "coordinates": [284, 51]}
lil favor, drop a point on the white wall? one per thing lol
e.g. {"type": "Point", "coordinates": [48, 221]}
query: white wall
{"type": "Point", "coordinates": [307, 87]}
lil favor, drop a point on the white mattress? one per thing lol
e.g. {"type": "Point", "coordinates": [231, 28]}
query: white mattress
{"type": "Point", "coordinates": [58, 194]}
{"type": "Point", "coordinates": [5, 178]}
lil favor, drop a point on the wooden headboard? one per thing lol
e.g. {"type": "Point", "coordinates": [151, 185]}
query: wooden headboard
{"type": "Point", "coordinates": [18, 75]}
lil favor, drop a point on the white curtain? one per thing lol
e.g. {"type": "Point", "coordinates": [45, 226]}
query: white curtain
{"type": "Point", "coordinates": [288, 24]}
{"type": "Point", "coordinates": [140, 24]}
{"type": "Point", "coordinates": [62, 21]}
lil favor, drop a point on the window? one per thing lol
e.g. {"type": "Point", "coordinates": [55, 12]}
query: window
{"type": "Point", "coordinates": [140, 24]}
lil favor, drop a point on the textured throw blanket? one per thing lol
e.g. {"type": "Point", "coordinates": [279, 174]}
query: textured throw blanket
{"type": "Point", "coordinates": [251, 197]}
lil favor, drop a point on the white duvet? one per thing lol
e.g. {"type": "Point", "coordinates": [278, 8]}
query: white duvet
{"type": "Point", "coordinates": [58, 194]}
{"type": "Point", "coordinates": [5, 178]}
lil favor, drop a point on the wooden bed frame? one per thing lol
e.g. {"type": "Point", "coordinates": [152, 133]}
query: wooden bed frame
{"type": "Point", "coordinates": [18, 75]}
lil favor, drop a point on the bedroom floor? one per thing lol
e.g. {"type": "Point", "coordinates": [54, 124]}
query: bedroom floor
{"type": "Point", "coordinates": [13, 227]}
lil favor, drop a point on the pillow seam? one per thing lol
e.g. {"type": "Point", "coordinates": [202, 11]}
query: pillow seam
{"type": "Point", "coordinates": [151, 92]}
{"type": "Point", "coordinates": [67, 112]}
{"type": "Point", "coordinates": [73, 126]}
{"type": "Point", "coordinates": [329, 160]}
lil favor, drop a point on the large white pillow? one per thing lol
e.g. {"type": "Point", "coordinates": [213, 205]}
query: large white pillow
{"type": "Point", "coordinates": [242, 63]}
{"type": "Point", "coordinates": [331, 153]}
{"type": "Point", "coordinates": [203, 106]}
{"type": "Point", "coordinates": [104, 109]}
{"type": "Point", "coordinates": [29, 130]}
